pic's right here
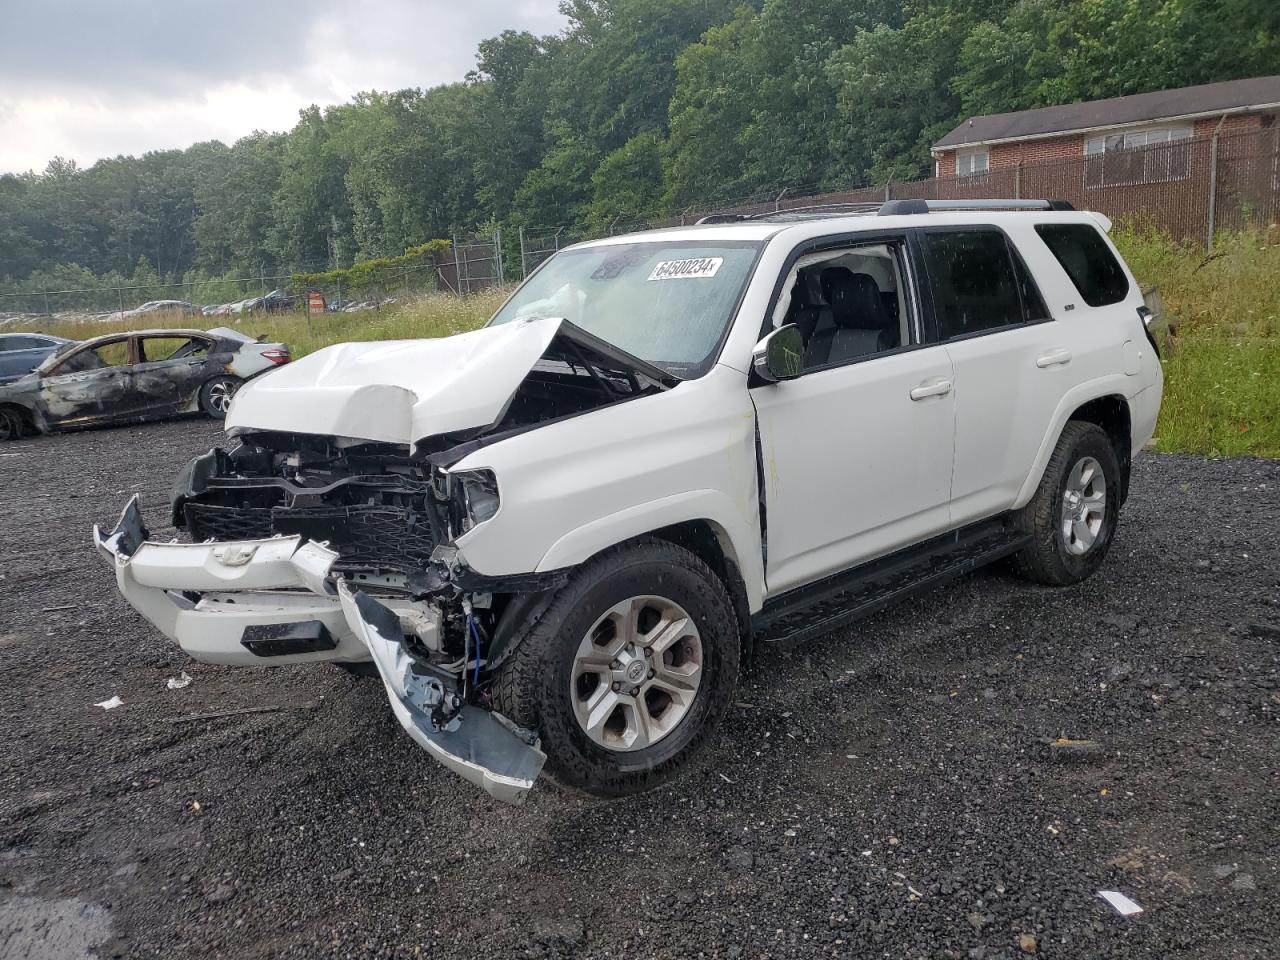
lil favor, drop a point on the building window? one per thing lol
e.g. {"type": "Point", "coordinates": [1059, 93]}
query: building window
{"type": "Point", "coordinates": [1151, 155]}
{"type": "Point", "coordinates": [970, 163]}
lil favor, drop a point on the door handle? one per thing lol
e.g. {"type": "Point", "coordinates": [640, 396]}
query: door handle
{"type": "Point", "coordinates": [937, 387]}
{"type": "Point", "coordinates": [1053, 358]}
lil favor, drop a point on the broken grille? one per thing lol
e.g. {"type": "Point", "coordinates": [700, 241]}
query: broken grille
{"type": "Point", "coordinates": [363, 536]}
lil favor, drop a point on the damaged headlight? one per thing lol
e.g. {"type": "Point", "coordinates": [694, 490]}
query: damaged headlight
{"type": "Point", "coordinates": [479, 496]}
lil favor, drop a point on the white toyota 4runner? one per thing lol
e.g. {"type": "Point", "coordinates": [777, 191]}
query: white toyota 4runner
{"type": "Point", "coordinates": [557, 538]}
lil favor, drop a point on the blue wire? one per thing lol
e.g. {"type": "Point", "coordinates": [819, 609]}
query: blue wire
{"type": "Point", "coordinates": [475, 633]}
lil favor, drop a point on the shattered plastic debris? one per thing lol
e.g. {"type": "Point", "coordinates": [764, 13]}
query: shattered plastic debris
{"type": "Point", "coordinates": [178, 682]}
{"type": "Point", "coordinates": [1124, 906]}
{"type": "Point", "coordinates": [110, 704]}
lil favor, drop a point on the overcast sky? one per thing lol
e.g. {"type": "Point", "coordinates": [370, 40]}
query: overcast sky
{"type": "Point", "coordinates": [87, 79]}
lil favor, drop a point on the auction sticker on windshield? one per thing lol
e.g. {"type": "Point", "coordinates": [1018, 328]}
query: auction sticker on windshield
{"type": "Point", "coordinates": [686, 269]}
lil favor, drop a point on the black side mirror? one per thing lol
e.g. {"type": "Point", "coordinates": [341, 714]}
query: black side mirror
{"type": "Point", "coordinates": [780, 355]}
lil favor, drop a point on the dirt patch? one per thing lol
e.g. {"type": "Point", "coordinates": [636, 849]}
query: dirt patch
{"type": "Point", "coordinates": [890, 791]}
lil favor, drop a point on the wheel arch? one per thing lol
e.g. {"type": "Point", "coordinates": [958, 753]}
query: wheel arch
{"type": "Point", "coordinates": [25, 414]}
{"type": "Point", "coordinates": [1102, 402]}
{"type": "Point", "coordinates": [1112, 414]}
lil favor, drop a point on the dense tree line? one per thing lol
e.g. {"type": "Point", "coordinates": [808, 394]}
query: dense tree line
{"type": "Point", "coordinates": [638, 108]}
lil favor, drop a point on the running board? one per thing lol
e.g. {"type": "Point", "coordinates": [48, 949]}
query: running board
{"type": "Point", "coordinates": [839, 600]}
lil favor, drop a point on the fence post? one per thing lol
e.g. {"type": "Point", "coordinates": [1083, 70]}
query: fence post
{"type": "Point", "coordinates": [1017, 180]}
{"type": "Point", "coordinates": [457, 266]}
{"type": "Point", "coordinates": [47, 311]}
{"type": "Point", "coordinates": [776, 203]}
{"type": "Point", "coordinates": [497, 253]}
{"type": "Point", "coordinates": [120, 301]}
{"type": "Point", "coordinates": [524, 267]}
{"type": "Point", "coordinates": [1213, 188]}
{"type": "Point", "coordinates": [886, 189]}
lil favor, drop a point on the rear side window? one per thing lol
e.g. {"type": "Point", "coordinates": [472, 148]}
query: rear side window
{"type": "Point", "coordinates": [1088, 260]}
{"type": "Point", "coordinates": [24, 343]}
{"type": "Point", "coordinates": [974, 282]}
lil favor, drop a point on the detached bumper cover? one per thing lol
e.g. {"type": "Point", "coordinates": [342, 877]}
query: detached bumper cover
{"type": "Point", "coordinates": [206, 596]}
{"type": "Point", "coordinates": [482, 747]}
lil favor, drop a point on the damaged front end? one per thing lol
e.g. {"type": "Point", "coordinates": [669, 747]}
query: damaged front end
{"type": "Point", "coordinates": [287, 599]}
{"type": "Point", "coordinates": [311, 547]}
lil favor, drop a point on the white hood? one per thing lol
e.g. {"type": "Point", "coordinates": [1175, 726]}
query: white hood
{"type": "Point", "coordinates": [398, 391]}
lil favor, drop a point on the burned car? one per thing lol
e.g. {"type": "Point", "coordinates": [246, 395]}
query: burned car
{"type": "Point", "coordinates": [555, 539]}
{"type": "Point", "coordinates": [126, 377]}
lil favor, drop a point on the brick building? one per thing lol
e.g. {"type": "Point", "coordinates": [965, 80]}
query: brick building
{"type": "Point", "coordinates": [1108, 134]}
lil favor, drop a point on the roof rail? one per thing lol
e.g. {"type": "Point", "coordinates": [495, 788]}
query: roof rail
{"type": "Point", "coordinates": [720, 218]}
{"type": "Point", "coordinates": [894, 208]}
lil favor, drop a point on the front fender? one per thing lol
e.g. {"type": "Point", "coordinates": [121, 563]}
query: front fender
{"type": "Point", "coordinates": [740, 542]}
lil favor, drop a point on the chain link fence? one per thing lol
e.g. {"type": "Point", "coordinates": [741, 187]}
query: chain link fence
{"type": "Point", "coordinates": [1191, 189]}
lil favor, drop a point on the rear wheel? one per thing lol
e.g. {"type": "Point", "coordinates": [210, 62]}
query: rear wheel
{"type": "Point", "coordinates": [1072, 517]}
{"type": "Point", "coordinates": [627, 671]}
{"type": "Point", "coordinates": [216, 394]}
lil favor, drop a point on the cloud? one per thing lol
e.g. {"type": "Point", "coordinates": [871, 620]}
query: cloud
{"type": "Point", "coordinates": [86, 79]}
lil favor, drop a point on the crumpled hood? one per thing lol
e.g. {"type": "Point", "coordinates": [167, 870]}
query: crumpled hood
{"type": "Point", "coordinates": [397, 391]}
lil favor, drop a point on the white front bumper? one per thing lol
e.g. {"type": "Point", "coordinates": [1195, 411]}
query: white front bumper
{"type": "Point", "coordinates": [213, 598]}
{"type": "Point", "coordinates": [203, 595]}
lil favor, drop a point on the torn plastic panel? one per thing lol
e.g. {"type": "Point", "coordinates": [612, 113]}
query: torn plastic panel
{"type": "Point", "coordinates": [481, 747]}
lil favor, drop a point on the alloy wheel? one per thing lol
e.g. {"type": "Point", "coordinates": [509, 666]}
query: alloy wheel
{"type": "Point", "coordinates": [636, 673]}
{"type": "Point", "coordinates": [1084, 506]}
{"type": "Point", "coordinates": [220, 395]}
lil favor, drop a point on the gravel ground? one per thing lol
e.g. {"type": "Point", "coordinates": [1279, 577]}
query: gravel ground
{"type": "Point", "coordinates": [888, 792]}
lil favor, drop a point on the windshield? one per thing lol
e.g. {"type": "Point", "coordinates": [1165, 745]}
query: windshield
{"type": "Point", "coordinates": [664, 302]}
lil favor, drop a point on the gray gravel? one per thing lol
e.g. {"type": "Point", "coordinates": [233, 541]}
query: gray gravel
{"type": "Point", "coordinates": [890, 792]}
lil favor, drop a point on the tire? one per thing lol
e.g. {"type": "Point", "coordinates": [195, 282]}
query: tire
{"type": "Point", "coordinates": [216, 394]}
{"type": "Point", "coordinates": [11, 426]}
{"type": "Point", "coordinates": [1057, 556]}
{"type": "Point", "coordinates": [539, 685]}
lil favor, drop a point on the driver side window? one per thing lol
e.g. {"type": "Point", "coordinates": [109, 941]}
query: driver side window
{"type": "Point", "coordinates": [850, 304]}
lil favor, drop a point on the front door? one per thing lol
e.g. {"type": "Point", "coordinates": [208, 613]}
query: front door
{"type": "Point", "coordinates": [856, 451]}
{"type": "Point", "coordinates": [91, 384]}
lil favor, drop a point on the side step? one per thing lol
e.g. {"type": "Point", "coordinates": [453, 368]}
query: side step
{"type": "Point", "coordinates": [839, 600]}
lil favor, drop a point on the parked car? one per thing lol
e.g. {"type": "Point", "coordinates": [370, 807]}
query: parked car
{"type": "Point", "coordinates": [144, 375]}
{"type": "Point", "coordinates": [557, 538]}
{"type": "Point", "coordinates": [20, 353]}
{"type": "Point", "coordinates": [160, 306]}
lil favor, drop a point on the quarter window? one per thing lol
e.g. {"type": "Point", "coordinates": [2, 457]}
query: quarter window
{"type": "Point", "coordinates": [1088, 261]}
{"type": "Point", "coordinates": [975, 283]}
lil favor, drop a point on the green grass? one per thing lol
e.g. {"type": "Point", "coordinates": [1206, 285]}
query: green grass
{"type": "Point", "coordinates": [432, 316]}
{"type": "Point", "coordinates": [1222, 365]}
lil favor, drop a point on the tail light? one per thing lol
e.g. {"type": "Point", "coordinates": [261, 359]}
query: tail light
{"type": "Point", "coordinates": [276, 356]}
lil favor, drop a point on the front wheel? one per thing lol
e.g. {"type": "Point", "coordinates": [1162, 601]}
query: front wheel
{"type": "Point", "coordinates": [10, 425]}
{"type": "Point", "coordinates": [628, 669]}
{"type": "Point", "coordinates": [1072, 517]}
{"type": "Point", "coordinates": [216, 394]}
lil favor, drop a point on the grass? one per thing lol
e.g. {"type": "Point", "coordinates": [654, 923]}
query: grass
{"type": "Point", "coordinates": [431, 316]}
{"type": "Point", "coordinates": [1222, 367]}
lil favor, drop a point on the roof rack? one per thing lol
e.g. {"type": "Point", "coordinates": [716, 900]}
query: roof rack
{"type": "Point", "coordinates": [894, 208]}
{"type": "Point", "coordinates": [889, 208]}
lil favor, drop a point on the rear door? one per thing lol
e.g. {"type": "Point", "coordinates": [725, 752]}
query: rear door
{"type": "Point", "coordinates": [91, 384]}
{"type": "Point", "coordinates": [1011, 359]}
{"type": "Point", "coordinates": [169, 372]}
